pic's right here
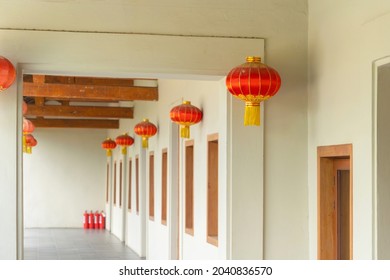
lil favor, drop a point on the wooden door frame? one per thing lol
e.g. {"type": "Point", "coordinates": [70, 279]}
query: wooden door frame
{"type": "Point", "coordinates": [334, 152]}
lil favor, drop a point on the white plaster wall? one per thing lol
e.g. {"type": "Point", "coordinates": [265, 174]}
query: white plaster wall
{"type": "Point", "coordinates": [284, 25]}
{"type": "Point", "coordinates": [206, 95]}
{"type": "Point", "coordinates": [63, 177]}
{"type": "Point", "coordinates": [345, 37]}
{"type": "Point", "coordinates": [119, 208]}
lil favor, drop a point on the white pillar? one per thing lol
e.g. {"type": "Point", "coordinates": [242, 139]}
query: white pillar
{"type": "Point", "coordinates": [173, 188]}
{"type": "Point", "coordinates": [124, 197]}
{"type": "Point", "coordinates": [245, 184]}
{"type": "Point", "coordinates": [142, 199]}
{"type": "Point", "coordinates": [11, 203]}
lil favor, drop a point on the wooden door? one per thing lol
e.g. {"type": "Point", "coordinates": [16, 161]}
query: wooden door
{"type": "Point", "coordinates": [341, 174]}
{"type": "Point", "coordinates": [335, 202]}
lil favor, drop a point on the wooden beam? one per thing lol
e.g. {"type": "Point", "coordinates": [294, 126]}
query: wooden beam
{"type": "Point", "coordinates": [108, 93]}
{"type": "Point", "coordinates": [103, 81]}
{"type": "Point", "coordinates": [50, 79]}
{"type": "Point", "coordinates": [75, 123]}
{"type": "Point", "coordinates": [80, 111]}
{"type": "Point", "coordinates": [40, 101]}
{"type": "Point", "coordinates": [39, 79]}
{"type": "Point", "coordinates": [60, 100]}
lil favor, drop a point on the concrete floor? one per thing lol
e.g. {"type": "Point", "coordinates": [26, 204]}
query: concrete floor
{"type": "Point", "coordinates": [74, 244]}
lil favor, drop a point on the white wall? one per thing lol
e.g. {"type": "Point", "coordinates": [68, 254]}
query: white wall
{"type": "Point", "coordinates": [345, 37]}
{"type": "Point", "coordinates": [63, 177]}
{"type": "Point", "coordinates": [284, 25]}
{"type": "Point", "coordinates": [207, 95]}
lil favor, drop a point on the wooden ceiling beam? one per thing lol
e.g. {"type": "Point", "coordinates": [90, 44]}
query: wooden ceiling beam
{"type": "Point", "coordinates": [80, 111]}
{"type": "Point", "coordinates": [75, 123]}
{"type": "Point", "coordinates": [50, 79]}
{"type": "Point", "coordinates": [59, 99]}
{"type": "Point", "coordinates": [108, 93]}
{"type": "Point", "coordinates": [40, 101]}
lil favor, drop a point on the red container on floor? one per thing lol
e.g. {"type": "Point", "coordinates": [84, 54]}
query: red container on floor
{"type": "Point", "coordinates": [97, 218]}
{"type": "Point", "coordinates": [86, 220]}
{"type": "Point", "coordinates": [91, 220]}
{"type": "Point", "coordinates": [102, 222]}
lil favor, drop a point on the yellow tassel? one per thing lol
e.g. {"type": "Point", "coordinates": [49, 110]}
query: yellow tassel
{"type": "Point", "coordinates": [185, 131]}
{"type": "Point", "coordinates": [124, 150]}
{"type": "Point", "coordinates": [252, 113]}
{"type": "Point", "coordinates": [29, 150]}
{"type": "Point", "coordinates": [145, 143]}
{"type": "Point", "coordinates": [24, 144]}
{"type": "Point", "coordinates": [109, 153]}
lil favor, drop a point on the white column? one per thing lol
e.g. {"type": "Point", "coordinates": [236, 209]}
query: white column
{"type": "Point", "coordinates": [173, 188]}
{"type": "Point", "coordinates": [142, 199]}
{"type": "Point", "coordinates": [11, 206]}
{"type": "Point", "coordinates": [245, 184]}
{"type": "Point", "coordinates": [124, 197]}
{"type": "Point", "coordinates": [111, 201]}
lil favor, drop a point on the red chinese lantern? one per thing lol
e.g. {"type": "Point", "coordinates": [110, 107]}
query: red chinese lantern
{"type": "Point", "coordinates": [24, 108]}
{"type": "Point", "coordinates": [109, 145]}
{"type": "Point", "coordinates": [145, 129]}
{"type": "Point", "coordinates": [253, 82]}
{"type": "Point", "coordinates": [28, 128]}
{"type": "Point", "coordinates": [30, 142]}
{"type": "Point", "coordinates": [7, 73]}
{"type": "Point", "coordinates": [186, 115]}
{"type": "Point", "coordinates": [124, 141]}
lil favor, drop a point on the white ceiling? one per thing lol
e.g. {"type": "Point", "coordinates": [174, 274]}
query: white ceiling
{"type": "Point", "coordinates": [243, 18]}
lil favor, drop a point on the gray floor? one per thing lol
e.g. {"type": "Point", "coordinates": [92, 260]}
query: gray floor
{"type": "Point", "coordinates": [74, 244]}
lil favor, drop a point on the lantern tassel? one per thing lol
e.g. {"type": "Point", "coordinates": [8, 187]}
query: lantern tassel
{"type": "Point", "coordinates": [24, 144]}
{"type": "Point", "coordinates": [145, 143]}
{"type": "Point", "coordinates": [252, 113]}
{"type": "Point", "coordinates": [109, 152]}
{"type": "Point", "coordinates": [124, 150]}
{"type": "Point", "coordinates": [185, 131]}
{"type": "Point", "coordinates": [29, 150]}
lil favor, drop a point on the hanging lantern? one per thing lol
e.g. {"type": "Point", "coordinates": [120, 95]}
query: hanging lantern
{"type": "Point", "coordinates": [253, 82]}
{"type": "Point", "coordinates": [109, 145]}
{"type": "Point", "coordinates": [30, 143]}
{"type": "Point", "coordinates": [145, 129]}
{"type": "Point", "coordinates": [24, 107]}
{"type": "Point", "coordinates": [186, 115]}
{"type": "Point", "coordinates": [124, 141]}
{"type": "Point", "coordinates": [28, 128]}
{"type": "Point", "coordinates": [7, 73]}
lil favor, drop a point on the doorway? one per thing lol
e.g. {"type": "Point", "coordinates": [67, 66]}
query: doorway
{"type": "Point", "coordinates": [335, 202]}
